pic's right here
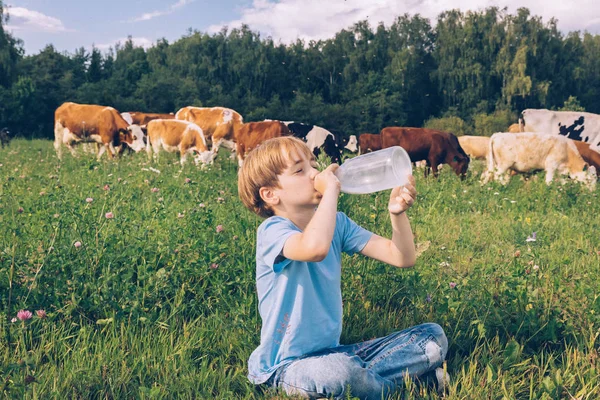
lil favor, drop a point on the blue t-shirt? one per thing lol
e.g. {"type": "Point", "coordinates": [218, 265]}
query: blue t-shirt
{"type": "Point", "coordinates": [300, 303]}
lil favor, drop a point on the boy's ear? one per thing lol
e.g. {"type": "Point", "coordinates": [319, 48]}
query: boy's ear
{"type": "Point", "coordinates": [268, 195]}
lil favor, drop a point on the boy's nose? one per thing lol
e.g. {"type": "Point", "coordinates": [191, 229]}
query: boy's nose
{"type": "Point", "coordinates": [313, 173]}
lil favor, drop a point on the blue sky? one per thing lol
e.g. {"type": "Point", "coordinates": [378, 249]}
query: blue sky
{"type": "Point", "coordinates": [70, 24]}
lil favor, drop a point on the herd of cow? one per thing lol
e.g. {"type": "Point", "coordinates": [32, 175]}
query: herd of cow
{"type": "Point", "coordinates": [559, 142]}
{"type": "Point", "coordinates": [565, 143]}
{"type": "Point", "coordinates": [192, 130]}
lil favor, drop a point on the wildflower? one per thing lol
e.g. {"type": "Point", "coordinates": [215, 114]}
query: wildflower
{"type": "Point", "coordinates": [187, 180]}
{"type": "Point", "coordinates": [235, 237]}
{"type": "Point", "coordinates": [42, 193]}
{"type": "Point", "coordinates": [220, 200]}
{"type": "Point", "coordinates": [89, 200]}
{"type": "Point", "coordinates": [517, 253]}
{"type": "Point", "coordinates": [536, 267]}
{"type": "Point", "coordinates": [119, 179]}
{"type": "Point", "coordinates": [154, 190]}
{"type": "Point", "coordinates": [13, 320]}
{"type": "Point", "coordinates": [444, 264]}
{"type": "Point", "coordinates": [77, 244]}
{"type": "Point", "coordinates": [20, 210]}
{"type": "Point", "coordinates": [56, 215]}
{"type": "Point", "coordinates": [106, 187]}
{"type": "Point", "coordinates": [24, 315]}
{"type": "Point", "coordinates": [180, 215]}
{"type": "Point", "coordinates": [214, 266]}
{"type": "Point", "coordinates": [109, 215]}
{"type": "Point", "coordinates": [532, 238]}
{"type": "Point", "coordinates": [452, 285]}
{"type": "Point", "coordinates": [428, 298]}
{"type": "Point", "coordinates": [220, 228]}
{"type": "Point", "coordinates": [41, 314]}
{"type": "Point", "coordinates": [221, 192]}
{"type": "Point", "coordinates": [146, 181]}
{"type": "Point", "coordinates": [528, 307]}
{"type": "Point", "coordinates": [201, 205]}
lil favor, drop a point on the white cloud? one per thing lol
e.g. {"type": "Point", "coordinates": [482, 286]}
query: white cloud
{"type": "Point", "coordinates": [172, 8]}
{"type": "Point", "coordinates": [23, 19]}
{"type": "Point", "coordinates": [317, 19]}
{"type": "Point", "coordinates": [137, 41]}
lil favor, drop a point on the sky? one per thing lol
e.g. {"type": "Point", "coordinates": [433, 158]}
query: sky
{"type": "Point", "coordinates": [71, 24]}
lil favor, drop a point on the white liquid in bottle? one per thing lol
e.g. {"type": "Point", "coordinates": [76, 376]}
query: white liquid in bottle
{"type": "Point", "coordinates": [376, 171]}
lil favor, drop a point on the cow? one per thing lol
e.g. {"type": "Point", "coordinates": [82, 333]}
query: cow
{"type": "Point", "coordinates": [177, 136]}
{"type": "Point", "coordinates": [250, 135]}
{"type": "Point", "coordinates": [590, 156]}
{"type": "Point", "coordinates": [368, 142]}
{"type": "Point", "coordinates": [345, 142]}
{"type": "Point", "coordinates": [436, 147]}
{"type": "Point", "coordinates": [219, 124]}
{"type": "Point", "coordinates": [531, 151]}
{"type": "Point", "coordinates": [4, 137]}
{"type": "Point", "coordinates": [475, 146]}
{"type": "Point", "coordinates": [142, 119]}
{"type": "Point", "coordinates": [318, 139]}
{"type": "Point", "coordinates": [514, 128]}
{"type": "Point", "coordinates": [582, 126]}
{"type": "Point", "coordinates": [75, 123]}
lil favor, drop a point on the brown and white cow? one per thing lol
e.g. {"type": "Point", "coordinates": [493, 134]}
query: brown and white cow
{"type": "Point", "coordinates": [252, 134]}
{"type": "Point", "coordinates": [219, 124]}
{"type": "Point", "coordinates": [140, 118]}
{"type": "Point", "coordinates": [475, 146]}
{"type": "Point", "coordinates": [531, 151]}
{"type": "Point", "coordinates": [590, 156]}
{"type": "Point", "coordinates": [368, 142]}
{"type": "Point", "coordinates": [75, 123]}
{"type": "Point", "coordinates": [436, 147]}
{"type": "Point", "coordinates": [173, 135]}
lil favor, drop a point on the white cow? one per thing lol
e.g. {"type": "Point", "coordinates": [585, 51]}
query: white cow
{"type": "Point", "coordinates": [529, 151]}
{"type": "Point", "coordinates": [582, 126]}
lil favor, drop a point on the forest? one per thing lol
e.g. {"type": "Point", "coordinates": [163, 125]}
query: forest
{"type": "Point", "coordinates": [467, 72]}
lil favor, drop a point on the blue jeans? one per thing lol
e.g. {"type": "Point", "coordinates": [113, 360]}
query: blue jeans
{"type": "Point", "coordinates": [370, 370]}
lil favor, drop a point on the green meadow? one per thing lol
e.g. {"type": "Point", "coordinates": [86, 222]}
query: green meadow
{"type": "Point", "coordinates": [157, 300]}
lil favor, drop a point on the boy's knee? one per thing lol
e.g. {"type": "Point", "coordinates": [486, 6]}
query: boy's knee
{"type": "Point", "coordinates": [328, 376]}
{"type": "Point", "coordinates": [439, 346]}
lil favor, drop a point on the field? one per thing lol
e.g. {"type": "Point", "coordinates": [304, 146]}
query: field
{"type": "Point", "coordinates": [159, 301]}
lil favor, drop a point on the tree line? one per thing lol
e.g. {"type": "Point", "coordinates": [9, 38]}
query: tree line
{"type": "Point", "coordinates": [471, 72]}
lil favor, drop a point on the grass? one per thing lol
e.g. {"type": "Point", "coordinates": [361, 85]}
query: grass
{"type": "Point", "coordinates": [157, 304]}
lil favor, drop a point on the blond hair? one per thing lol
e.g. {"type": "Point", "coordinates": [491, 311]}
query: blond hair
{"type": "Point", "coordinates": [261, 167]}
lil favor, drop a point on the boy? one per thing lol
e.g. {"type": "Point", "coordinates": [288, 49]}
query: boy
{"type": "Point", "coordinates": [298, 277]}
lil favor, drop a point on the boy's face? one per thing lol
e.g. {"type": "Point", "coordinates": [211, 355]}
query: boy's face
{"type": "Point", "coordinates": [297, 183]}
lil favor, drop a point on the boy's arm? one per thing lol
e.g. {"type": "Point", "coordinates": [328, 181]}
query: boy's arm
{"type": "Point", "coordinates": [315, 240]}
{"type": "Point", "coordinates": [400, 251]}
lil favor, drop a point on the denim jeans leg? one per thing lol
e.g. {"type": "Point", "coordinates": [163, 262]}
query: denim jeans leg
{"type": "Point", "coordinates": [413, 351]}
{"type": "Point", "coordinates": [332, 375]}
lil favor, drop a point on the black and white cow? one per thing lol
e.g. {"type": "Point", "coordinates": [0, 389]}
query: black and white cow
{"type": "Point", "coordinates": [4, 137]}
{"type": "Point", "coordinates": [318, 139]}
{"type": "Point", "coordinates": [581, 126]}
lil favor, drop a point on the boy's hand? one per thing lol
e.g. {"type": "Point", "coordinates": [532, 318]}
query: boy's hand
{"type": "Point", "coordinates": [402, 197]}
{"type": "Point", "coordinates": [326, 179]}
